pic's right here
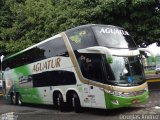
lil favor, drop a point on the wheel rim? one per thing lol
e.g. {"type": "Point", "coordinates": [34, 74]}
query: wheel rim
{"type": "Point", "coordinates": [13, 99]}
{"type": "Point", "coordinates": [58, 101]}
{"type": "Point", "coordinates": [19, 100]}
{"type": "Point", "coordinates": [74, 100]}
{"type": "Point", "coordinates": [73, 103]}
{"type": "Point", "coordinates": [76, 103]}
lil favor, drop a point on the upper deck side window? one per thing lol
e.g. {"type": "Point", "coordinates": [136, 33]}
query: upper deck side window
{"type": "Point", "coordinates": [52, 48]}
{"type": "Point", "coordinates": [55, 47]}
{"type": "Point", "coordinates": [81, 38]}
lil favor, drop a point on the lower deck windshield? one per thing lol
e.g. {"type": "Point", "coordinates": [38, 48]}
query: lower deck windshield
{"type": "Point", "coordinates": [127, 70]}
{"type": "Point", "coordinates": [122, 71]}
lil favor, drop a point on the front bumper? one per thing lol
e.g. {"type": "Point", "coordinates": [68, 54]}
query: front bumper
{"type": "Point", "coordinates": [113, 101]}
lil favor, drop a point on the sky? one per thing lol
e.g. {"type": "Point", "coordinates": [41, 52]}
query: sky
{"type": "Point", "coordinates": [153, 47]}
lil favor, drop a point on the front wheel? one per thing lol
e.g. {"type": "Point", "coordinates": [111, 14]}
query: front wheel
{"type": "Point", "coordinates": [13, 98]}
{"type": "Point", "coordinates": [76, 103]}
{"type": "Point", "coordinates": [19, 99]}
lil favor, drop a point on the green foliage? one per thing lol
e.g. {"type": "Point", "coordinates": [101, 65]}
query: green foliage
{"type": "Point", "coordinates": [26, 22]}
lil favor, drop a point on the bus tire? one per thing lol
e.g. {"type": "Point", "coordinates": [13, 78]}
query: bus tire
{"type": "Point", "coordinates": [13, 98]}
{"type": "Point", "coordinates": [61, 104]}
{"type": "Point", "coordinates": [58, 101]}
{"type": "Point", "coordinates": [55, 103]}
{"type": "Point", "coordinates": [19, 99]}
{"type": "Point", "coordinates": [76, 103]}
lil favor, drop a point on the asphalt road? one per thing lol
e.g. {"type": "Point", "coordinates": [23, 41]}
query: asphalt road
{"type": "Point", "coordinates": [148, 111]}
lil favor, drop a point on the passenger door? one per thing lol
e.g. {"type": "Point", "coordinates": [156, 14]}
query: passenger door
{"type": "Point", "coordinates": [92, 69]}
{"type": "Point", "coordinates": [97, 97]}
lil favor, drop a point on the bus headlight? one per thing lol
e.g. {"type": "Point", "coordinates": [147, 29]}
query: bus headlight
{"type": "Point", "coordinates": [116, 93]}
{"type": "Point", "coordinates": [126, 94]}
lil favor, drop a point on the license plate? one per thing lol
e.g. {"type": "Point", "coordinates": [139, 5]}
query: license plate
{"type": "Point", "coordinates": [136, 101]}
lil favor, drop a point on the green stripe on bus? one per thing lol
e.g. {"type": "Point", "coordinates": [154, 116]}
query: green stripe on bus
{"type": "Point", "coordinates": [24, 70]}
{"type": "Point", "coordinates": [123, 101]}
{"type": "Point", "coordinates": [30, 95]}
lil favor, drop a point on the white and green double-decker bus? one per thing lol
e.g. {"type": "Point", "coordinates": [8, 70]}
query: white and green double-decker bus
{"type": "Point", "coordinates": [96, 66]}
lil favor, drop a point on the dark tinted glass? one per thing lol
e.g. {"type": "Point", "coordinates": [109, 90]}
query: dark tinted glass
{"type": "Point", "coordinates": [91, 67]}
{"type": "Point", "coordinates": [113, 37]}
{"type": "Point", "coordinates": [55, 47]}
{"type": "Point", "coordinates": [81, 38]}
{"type": "Point", "coordinates": [53, 78]}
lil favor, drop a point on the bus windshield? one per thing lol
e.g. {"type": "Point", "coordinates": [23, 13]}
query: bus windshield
{"type": "Point", "coordinates": [127, 70]}
{"type": "Point", "coordinates": [113, 37]}
{"type": "Point", "coordinates": [122, 71]}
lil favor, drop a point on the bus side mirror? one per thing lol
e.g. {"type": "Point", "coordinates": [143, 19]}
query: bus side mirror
{"type": "Point", "coordinates": [2, 56]}
{"type": "Point", "coordinates": [146, 50]}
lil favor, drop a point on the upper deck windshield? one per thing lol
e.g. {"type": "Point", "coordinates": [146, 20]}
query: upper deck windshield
{"type": "Point", "coordinates": [100, 35]}
{"type": "Point", "coordinates": [81, 38]}
{"type": "Point", "coordinates": [113, 37]}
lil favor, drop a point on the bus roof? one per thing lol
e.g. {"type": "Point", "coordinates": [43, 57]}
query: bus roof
{"type": "Point", "coordinates": [90, 25]}
{"type": "Point", "coordinates": [58, 35]}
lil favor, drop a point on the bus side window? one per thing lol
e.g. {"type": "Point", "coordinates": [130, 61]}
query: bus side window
{"type": "Point", "coordinates": [91, 67]}
{"type": "Point", "coordinates": [53, 78]}
{"type": "Point", "coordinates": [56, 47]}
{"type": "Point", "coordinates": [68, 78]}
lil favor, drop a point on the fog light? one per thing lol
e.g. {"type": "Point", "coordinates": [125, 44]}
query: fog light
{"type": "Point", "coordinates": [115, 102]}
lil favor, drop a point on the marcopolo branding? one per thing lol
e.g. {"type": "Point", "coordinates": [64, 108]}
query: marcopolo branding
{"type": "Point", "coordinates": [113, 31]}
{"type": "Point", "coordinates": [45, 65]}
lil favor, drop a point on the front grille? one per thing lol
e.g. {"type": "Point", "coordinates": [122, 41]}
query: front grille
{"type": "Point", "coordinates": [130, 94]}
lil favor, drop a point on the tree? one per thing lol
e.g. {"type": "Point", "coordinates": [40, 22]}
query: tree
{"type": "Point", "coordinates": [26, 22]}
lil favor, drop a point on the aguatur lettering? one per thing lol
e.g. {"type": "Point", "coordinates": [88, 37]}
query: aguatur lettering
{"type": "Point", "coordinates": [46, 65]}
{"type": "Point", "coordinates": [113, 31]}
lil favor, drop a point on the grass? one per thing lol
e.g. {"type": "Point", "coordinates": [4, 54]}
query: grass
{"type": "Point", "coordinates": [147, 72]}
